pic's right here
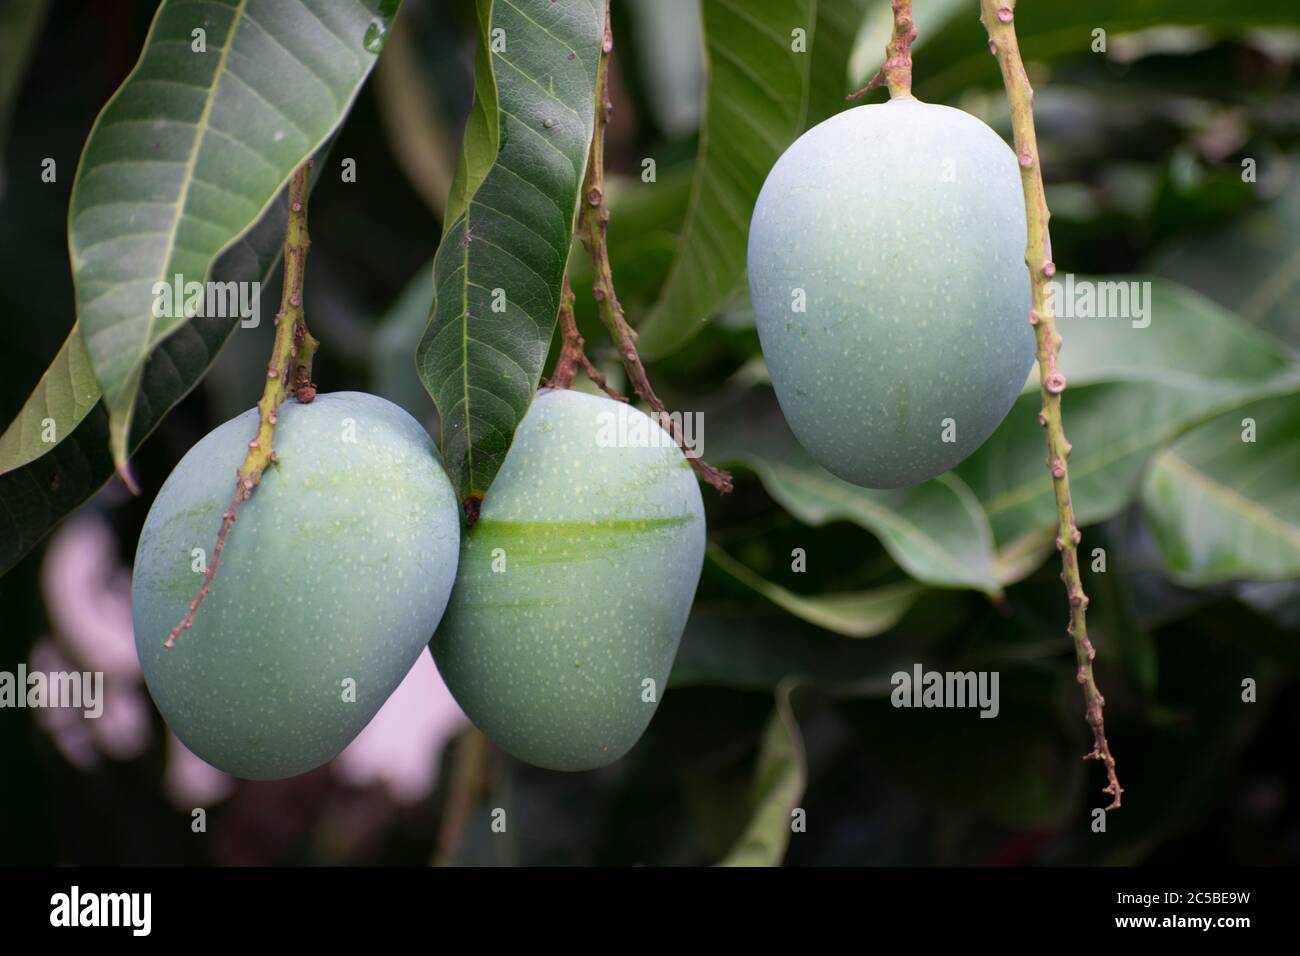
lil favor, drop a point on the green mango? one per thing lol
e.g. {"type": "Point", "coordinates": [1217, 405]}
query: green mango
{"type": "Point", "coordinates": [333, 577]}
{"type": "Point", "coordinates": [887, 275]}
{"type": "Point", "coordinates": [575, 584]}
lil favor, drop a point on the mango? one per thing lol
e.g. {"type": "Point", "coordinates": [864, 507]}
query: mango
{"type": "Point", "coordinates": [575, 584]}
{"type": "Point", "coordinates": [332, 580]}
{"type": "Point", "coordinates": [887, 275]}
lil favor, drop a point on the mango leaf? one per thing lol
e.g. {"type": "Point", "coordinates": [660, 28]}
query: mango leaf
{"type": "Point", "coordinates": [226, 101]}
{"type": "Point", "coordinates": [779, 781]}
{"type": "Point", "coordinates": [1017, 559]}
{"type": "Point", "coordinates": [957, 56]}
{"type": "Point", "coordinates": [766, 85]}
{"type": "Point", "coordinates": [1131, 391]}
{"type": "Point", "coordinates": [936, 531]}
{"type": "Point", "coordinates": [857, 614]}
{"type": "Point", "coordinates": [498, 270]}
{"type": "Point", "coordinates": [1223, 508]}
{"type": "Point", "coordinates": [66, 392]}
{"type": "Point", "coordinates": [37, 493]}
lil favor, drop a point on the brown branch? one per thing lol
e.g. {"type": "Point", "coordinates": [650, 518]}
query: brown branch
{"type": "Point", "coordinates": [998, 17]}
{"type": "Point", "coordinates": [572, 351]}
{"type": "Point", "coordinates": [290, 367]}
{"type": "Point", "coordinates": [896, 72]}
{"type": "Point", "coordinates": [593, 226]}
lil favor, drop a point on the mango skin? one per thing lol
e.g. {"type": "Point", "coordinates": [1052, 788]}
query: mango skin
{"type": "Point", "coordinates": [602, 549]}
{"type": "Point", "coordinates": [904, 225]}
{"type": "Point", "coordinates": [339, 566]}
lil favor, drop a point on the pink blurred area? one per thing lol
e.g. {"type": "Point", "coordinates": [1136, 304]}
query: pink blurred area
{"type": "Point", "coordinates": [402, 746]}
{"type": "Point", "coordinates": [87, 591]}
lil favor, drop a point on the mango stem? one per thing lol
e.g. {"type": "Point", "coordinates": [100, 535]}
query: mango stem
{"type": "Point", "coordinates": [573, 351]}
{"type": "Point", "coordinates": [593, 228]}
{"type": "Point", "coordinates": [896, 72]}
{"type": "Point", "coordinates": [998, 17]}
{"type": "Point", "coordinates": [289, 369]}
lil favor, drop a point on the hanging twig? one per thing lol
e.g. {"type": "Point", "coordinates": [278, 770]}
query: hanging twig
{"type": "Point", "coordinates": [288, 370]}
{"type": "Point", "coordinates": [896, 71]}
{"type": "Point", "coordinates": [593, 226]}
{"type": "Point", "coordinates": [572, 351]}
{"type": "Point", "coordinates": [998, 17]}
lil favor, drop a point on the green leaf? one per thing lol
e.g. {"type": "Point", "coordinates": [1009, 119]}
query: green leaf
{"type": "Point", "coordinates": [188, 154]}
{"type": "Point", "coordinates": [858, 614]}
{"type": "Point", "coordinates": [36, 495]}
{"type": "Point", "coordinates": [1017, 559]}
{"type": "Point", "coordinates": [957, 56]}
{"type": "Point", "coordinates": [761, 95]}
{"type": "Point", "coordinates": [1222, 508]}
{"type": "Point", "coordinates": [509, 226]}
{"type": "Point", "coordinates": [779, 781]}
{"type": "Point", "coordinates": [1131, 391]}
{"type": "Point", "coordinates": [65, 394]}
{"type": "Point", "coordinates": [936, 531]}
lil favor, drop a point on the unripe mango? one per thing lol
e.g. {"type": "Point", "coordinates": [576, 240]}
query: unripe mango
{"type": "Point", "coordinates": [332, 579]}
{"type": "Point", "coordinates": [886, 270]}
{"type": "Point", "coordinates": [575, 584]}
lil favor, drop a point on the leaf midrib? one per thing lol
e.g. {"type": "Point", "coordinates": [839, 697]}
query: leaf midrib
{"type": "Point", "coordinates": [1272, 524]}
{"type": "Point", "coordinates": [201, 132]}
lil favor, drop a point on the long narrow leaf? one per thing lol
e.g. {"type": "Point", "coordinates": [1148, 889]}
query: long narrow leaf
{"type": "Point", "coordinates": [498, 270]}
{"type": "Point", "coordinates": [227, 99]}
{"type": "Point", "coordinates": [776, 67]}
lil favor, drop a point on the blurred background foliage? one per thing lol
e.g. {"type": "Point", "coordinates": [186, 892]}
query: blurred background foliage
{"type": "Point", "coordinates": [780, 692]}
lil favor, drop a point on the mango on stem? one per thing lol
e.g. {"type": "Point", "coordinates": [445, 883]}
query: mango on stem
{"type": "Point", "coordinates": [575, 584]}
{"type": "Point", "coordinates": [887, 275]}
{"type": "Point", "coordinates": [334, 576]}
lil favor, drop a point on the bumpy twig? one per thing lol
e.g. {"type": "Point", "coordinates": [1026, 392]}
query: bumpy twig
{"type": "Point", "coordinates": [896, 72]}
{"type": "Point", "coordinates": [573, 351]}
{"type": "Point", "coordinates": [998, 17]}
{"type": "Point", "coordinates": [593, 226]}
{"type": "Point", "coordinates": [289, 369]}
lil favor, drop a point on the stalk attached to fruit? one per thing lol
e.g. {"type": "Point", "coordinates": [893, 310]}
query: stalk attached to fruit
{"type": "Point", "coordinates": [896, 72]}
{"type": "Point", "coordinates": [289, 370]}
{"type": "Point", "coordinates": [998, 17]}
{"type": "Point", "coordinates": [593, 226]}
